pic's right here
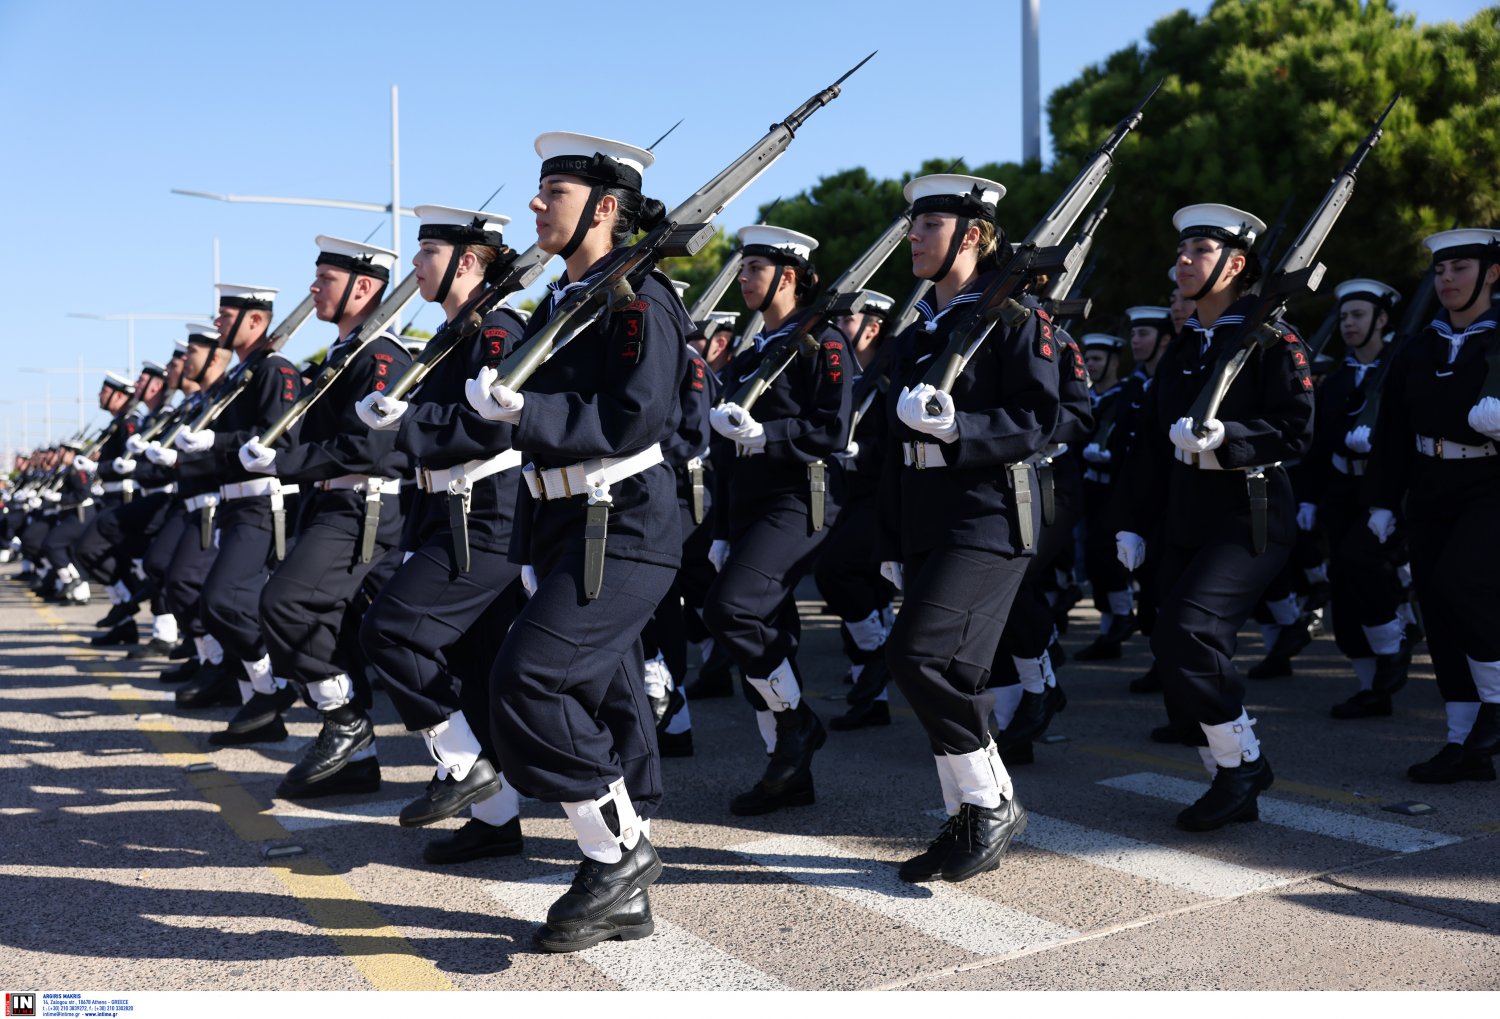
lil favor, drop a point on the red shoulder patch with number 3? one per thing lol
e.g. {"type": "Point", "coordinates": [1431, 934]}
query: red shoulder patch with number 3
{"type": "Point", "coordinates": [631, 330]}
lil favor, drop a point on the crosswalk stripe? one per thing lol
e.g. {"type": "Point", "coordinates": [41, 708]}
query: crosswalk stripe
{"type": "Point", "coordinates": [1397, 838]}
{"type": "Point", "coordinates": [1188, 871]}
{"type": "Point", "coordinates": [939, 910]}
{"type": "Point", "coordinates": [305, 818]}
{"type": "Point", "coordinates": [672, 959]}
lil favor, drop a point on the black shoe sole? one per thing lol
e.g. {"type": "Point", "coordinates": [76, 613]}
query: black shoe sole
{"type": "Point", "coordinates": [800, 798]}
{"type": "Point", "coordinates": [989, 863]}
{"type": "Point", "coordinates": [561, 942]}
{"type": "Point", "coordinates": [317, 790]}
{"type": "Point", "coordinates": [435, 815]}
{"type": "Point", "coordinates": [271, 732]}
{"type": "Point", "coordinates": [440, 858]}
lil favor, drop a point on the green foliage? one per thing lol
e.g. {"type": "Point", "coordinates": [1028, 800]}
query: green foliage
{"type": "Point", "coordinates": [416, 334]}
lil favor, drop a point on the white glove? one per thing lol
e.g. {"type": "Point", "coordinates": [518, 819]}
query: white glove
{"type": "Point", "coordinates": [493, 401]}
{"type": "Point", "coordinates": [380, 412]}
{"type": "Point", "coordinates": [1382, 524]}
{"type": "Point", "coordinates": [891, 571]}
{"type": "Point", "coordinates": [1358, 440]}
{"type": "Point", "coordinates": [123, 465]}
{"type": "Point", "coordinates": [852, 450]}
{"type": "Point", "coordinates": [161, 456]}
{"type": "Point", "coordinates": [528, 579]}
{"type": "Point", "coordinates": [195, 442]}
{"type": "Point", "coordinates": [718, 553]}
{"type": "Point", "coordinates": [136, 445]}
{"type": "Point", "coordinates": [1097, 454]}
{"type": "Point", "coordinates": [1183, 438]}
{"type": "Point", "coordinates": [911, 408]}
{"type": "Point", "coordinates": [1307, 516]}
{"type": "Point", "coordinates": [1130, 549]}
{"type": "Point", "coordinates": [52, 497]}
{"type": "Point", "coordinates": [749, 435]}
{"type": "Point", "coordinates": [86, 465]}
{"type": "Point", "coordinates": [257, 458]}
{"type": "Point", "coordinates": [1484, 417]}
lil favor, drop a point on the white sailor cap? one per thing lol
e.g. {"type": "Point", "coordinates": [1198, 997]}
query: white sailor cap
{"type": "Point", "coordinates": [1148, 314]}
{"type": "Point", "coordinates": [958, 193]}
{"type": "Point", "coordinates": [1374, 291]}
{"type": "Point", "coordinates": [777, 243]}
{"type": "Point", "coordinates": [1102, 341]}
{"type": "Point", "coordinates": [1220, 222]}
{"type": "Point", "coordinates": [204, 333]}
{"type": "Point", "coordinates": [597, 160]}
{"type": "Point", "coordinates": [356, 257]}
{"type": "Point", "coordinates": [114, 380]}
{"type": "Point", "coordinates": [877, 304]}
{"type": "Point", "coordinates": [680, 287]}
{"type": "Point", "coordinates": [179, 349]}
{"type": "Point", "coordinates": [76, 445]}
{"type": "Point", "coordinates": [234, 295]}
{"type": "Point", "coordinates": [721, 320]}
{"type": "Point", "coordinates": [1464, 244]}
{"type": "Point", "coordinates": [152, 368]}
{"type": "Point", "coordinates": [460, 226]}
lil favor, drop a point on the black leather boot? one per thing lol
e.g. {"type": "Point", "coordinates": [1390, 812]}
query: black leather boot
{"type": "Point", "coordinates": [1292, 639]}
{"type": "Point", "coordinates": [598, 889]}
{"type": "Point", "coordinates": [715, 677]}
{"type": "Point", "coordinates": [116, 615]}
{"type": "Point", "coordinates": [629, 921]}
{"type": "Point", "coordinates": [346, 731]}
{"type": "Point", "coordinates": [1034, 714]}
{"type": "Point", "coordinates": [215, 686]}
{"type": "Point", "coordinates": [928, 864]}
{"type": "Point", "coordinates": [445, 797]}
{"type": "Point", "coordinates": [262, 709]}
{"type": "Point", "coordinates": [1484, 738]}
{"type": "Point", "coordinates": [1453, 764]}
{"type": "Point", "coordinates": [119, 634]}
{"type": "Point", "coordinates": [355, 777]}
{"type": "Point", "coordinates": [673, 744]}
{"type": "Point", "coordinates": [787, 781]}
{"type": "Point", "coordinates": [181, 673]}
{"type": "Point", "coordinates": [983, 835]}
{"type": "Point", "coordinates": [474, 840]}
{"type": "Point", "coordinates": [273, 731]}
{"type": "Point", "coordinates": [1365, 704]}
{"type": "Point", "coordinates": [154, 648]}
{"type": "Point", "coordinates": [1231, 797]}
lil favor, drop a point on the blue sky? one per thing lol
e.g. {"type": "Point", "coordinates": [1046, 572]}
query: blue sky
{"type": "Point", "coordinates": [106, 106]}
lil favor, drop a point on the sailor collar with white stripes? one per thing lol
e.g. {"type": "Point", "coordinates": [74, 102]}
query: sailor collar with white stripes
{"type": "Point", "coordinates": [930, 317]}
{"type": "Point", "coordinates": [764, 339]}
{"type": "Point", "coordinates": [1222, 322]}
{"type": "Point", "coordinates": [558, 291]}
{"type": "Point", "coordinates": [1484, 324]}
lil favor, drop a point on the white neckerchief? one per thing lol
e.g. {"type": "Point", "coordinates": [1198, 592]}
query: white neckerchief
{"type": "Point", "coordinates": [931, 318]}
{"type": "Point", "coordinates": [1456, 340]}
{"type": "Point", "coordinates": [1208, 331]}
{"type": "Point", "coordinates": [557, 291]}
{"type": "Point", "coordinates": [1360, 368]}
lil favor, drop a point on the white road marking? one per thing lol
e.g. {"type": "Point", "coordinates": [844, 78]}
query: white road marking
{"type": "Point", "coordinates": [670, 960]}
{"type": "Point", "coordinates": [305, 818]}
{"type": "Point", "coordinates": [1398, 838]}
{"type": "Point", "coordinates": [938, 909]}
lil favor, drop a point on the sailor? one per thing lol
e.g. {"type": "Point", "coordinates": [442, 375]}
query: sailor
{"type": "Point", "coordinates": [348, 479]}
{"type": "Point", "coordinates": [1437, 446]}
{"type": "Point", "coordinates": [1361, 572]}
{"type": "Point", "coordinates": [848, 567]}
{"type": "Point", "coordinates": [456, 585]}
{"type": "Point", "coordinates": [714, 340]}
{"type": "Point", "coordinates": [767, 530]}
{"type": "Point", "coordinates": [951, 536]}
{"type": "Point", "coordinates": [597, 522]}
{"type": "Point", "coordinates": [1110, 582]}
{"type": "Point", "coordinates": [1227, 514]}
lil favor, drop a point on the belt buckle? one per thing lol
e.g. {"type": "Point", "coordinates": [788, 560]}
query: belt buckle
{"type": "Point", "coordinates": [1437, 447]}
{"type": "Point", "coordinates": [919, 455]}
{"type": "Point", "coordinates": [424, 478]}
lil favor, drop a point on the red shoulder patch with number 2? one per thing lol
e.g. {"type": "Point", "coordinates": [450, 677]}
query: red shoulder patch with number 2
{"type": "Point", "coordinates": [1046, 342]}
{"type": "Point", "coordinates": [833, 361]}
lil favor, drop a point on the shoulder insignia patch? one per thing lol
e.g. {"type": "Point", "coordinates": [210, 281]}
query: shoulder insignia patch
{"type": "Point", "coordinates": [833, 361]}
{"type": "Point", "coordinates": [382, 369]}
{"type": "Point", "coordinates": [631, 331]}
{"type": "Point", "coordinates": [493, 340]}
{"type": "Point", "coordinates": [1046, 342]}
{"type": "Point", "coordinates": [697, 375]}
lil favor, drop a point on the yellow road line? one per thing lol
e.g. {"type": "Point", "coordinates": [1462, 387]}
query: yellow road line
{"type": "Point", "coordinates": [1282, 785]}
{"type": "Point", "coordinates": [383, 956]}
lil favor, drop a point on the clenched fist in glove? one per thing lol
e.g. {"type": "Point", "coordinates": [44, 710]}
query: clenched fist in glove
{"type": "Point", "coordinates": [195, 442]}
{"type": "Point", "coordinates": [1484, 417]}
{"type": "Point", "coordinates": [749, 435]}
{"type": "Point", "coordinates": [380, 412]}
{"type": "Point", "coordinates": [1183, 438]}
{"type": "Point", "coordinates": [912, 409]}
{"type": "Point", "coordinates": [1130, 549]}
{"type": "Point", "coordinates": [258, 458]}
{"type": "Point", "coordinates": [493, 400]}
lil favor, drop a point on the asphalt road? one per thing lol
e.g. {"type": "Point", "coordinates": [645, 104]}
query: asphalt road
{"type": "Point", "coordinates": [126, 865]}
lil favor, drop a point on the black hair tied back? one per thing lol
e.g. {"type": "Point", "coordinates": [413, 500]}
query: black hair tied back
{"type": "Point", "coordinates": [500, 265]}
{"type": "Point", "coordinates": [636, 212]}
{"type": "Point", "coordinates": [807, 284]}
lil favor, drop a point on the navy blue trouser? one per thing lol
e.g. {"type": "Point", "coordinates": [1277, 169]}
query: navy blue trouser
{"type": "Point", "coordinates": [425, 609]}
{"type": "Point", "coordinates": [182, 581]}
{"type": "Point", "coordinates": [568, 699]}
{"type": "Point", "coordinates": [231, 592]}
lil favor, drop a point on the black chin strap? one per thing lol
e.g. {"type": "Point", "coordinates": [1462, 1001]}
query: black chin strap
{"type": "Point", "coordinates": [585, 222]}
{"type": "Point", "coordinates": [338, 313]}
{"type": "Point", "coordinates": [1213, 277]}
{"type": "Point", "coordinates": [774, 289]}
{"type": "Point", "coordinates": [228, 338]}
{"type": "Point", "coordinates": [1484, 268]}
{"type": "Point", "coordinates": [450, 272]}
{"type": "Point", "coordinates": [960, 230]}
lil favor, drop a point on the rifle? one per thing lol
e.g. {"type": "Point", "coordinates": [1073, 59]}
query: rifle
{"type": "Point", "coordinates": [714, 293]}
{"type": "Point", "coordinates": [752, 326]}
{"type": "Point", "coordinates": [903, 319]}
{"type": "Point", "coordinates": [844, 297]}
{"type": "Point", "coordinates": [1416, 320]}
{"type": "Point", "coordinates": [233, 383]}
{"type": "Point", "coordinates": [1056, 296]}
{"type": "Point", "coordinates": [1040, 253]}
{"type": "Point", "coordinates": [682, 232]}
{"type": "Point", "coordinates": [1273, 237]}
{"type": "Point", "coordinates": [372, 327]}
{"type": "Point", "coordinates": [1297, 272]}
